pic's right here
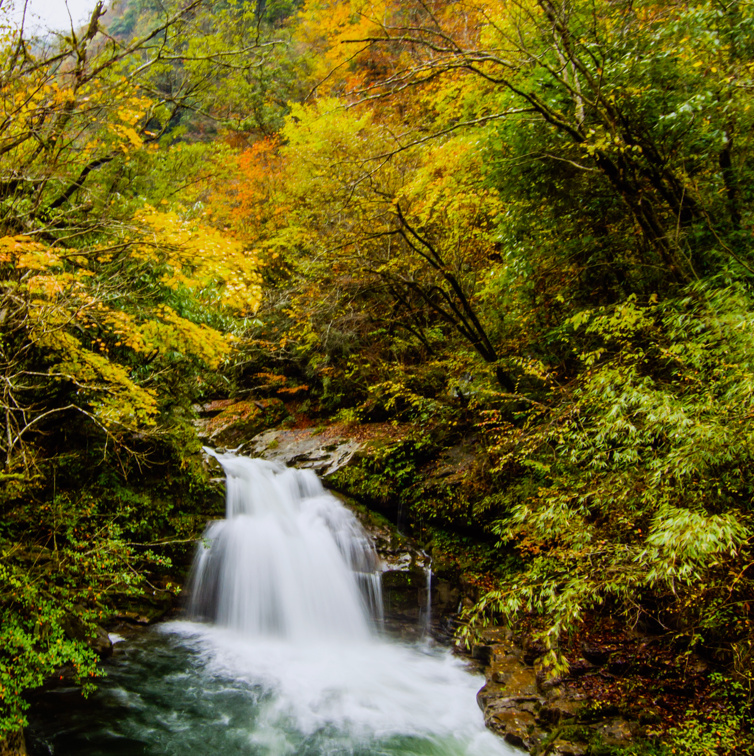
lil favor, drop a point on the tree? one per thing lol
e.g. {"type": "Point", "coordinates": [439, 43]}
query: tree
{"type": "Point", "coordinates": [112, 313]}
{"type": "Point", "coordinates": [605, 150]}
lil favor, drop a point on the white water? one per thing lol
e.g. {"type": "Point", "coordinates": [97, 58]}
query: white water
{"type": "Point", "coordinates": [288, 580]}
{"type": "Point", "coordinates": [287, 561]}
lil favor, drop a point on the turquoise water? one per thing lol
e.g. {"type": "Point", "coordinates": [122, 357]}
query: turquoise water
{"type": "Point", "coordinates": [194, 690]}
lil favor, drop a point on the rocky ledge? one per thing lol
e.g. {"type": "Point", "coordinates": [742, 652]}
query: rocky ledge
{"type": "Point", "coordinates": [544, 715]}
{"type": "Point", "coordinates": [621, 687]}
{"type": "Point", "coordinates": [324, 451]}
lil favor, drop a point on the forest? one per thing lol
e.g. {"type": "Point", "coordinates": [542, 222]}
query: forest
{"type": "Point", "coordinates": [521, 227]}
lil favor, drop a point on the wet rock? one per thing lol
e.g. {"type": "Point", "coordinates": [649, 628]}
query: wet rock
{"type": "Point", "coordinates": [325, 452]}
{"type": "Point", "coordinates": [401, 595]}
{"type": "Point", "coordinates": [97, 640]}
{"type": "Point", "coordinates": [510, 699]}
{"type": "Point", "coordinates": [545, 716]}
{"type": "Point", "coordinates": [100, 642]}
{"type": "Point", "coordinates": [513, 723]}
{"type": "Point", "coordinates": [445, 595]}
{"type": "Point", "coordinates": [517, 680]}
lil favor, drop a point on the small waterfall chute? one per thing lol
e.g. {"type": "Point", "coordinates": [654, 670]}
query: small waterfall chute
{"type": "Point", "coordinates": [427, 614]}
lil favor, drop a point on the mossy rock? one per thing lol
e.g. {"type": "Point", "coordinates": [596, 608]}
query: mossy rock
{"type": "Point", "coordinates": [239, 421]}
{"type": "Point", "coordinates": [144, 610]}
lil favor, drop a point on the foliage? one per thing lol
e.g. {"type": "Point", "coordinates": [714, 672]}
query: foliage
{"type": "Point", "coordinates": [523, 226]}
{"type": "Point", "coordinates": [536, 219]}
{"type": "Point", "coordinates": [639, 488]}
{"type": "Point", "coordinates": [112, 314]}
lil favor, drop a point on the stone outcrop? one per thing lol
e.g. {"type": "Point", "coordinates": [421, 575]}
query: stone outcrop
{"type": "Point", "coordinates": [252, 427]}
{"type": "Point", "coordinates": [531, 710]}
{"type": "Point", "coordinates": [230, 423]}
{"type": "Point", "coordinates": [324, 451]}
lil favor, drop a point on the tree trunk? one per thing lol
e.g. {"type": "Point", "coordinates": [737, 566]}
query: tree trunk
{"type": "Point", "coordinates": [14, 744]}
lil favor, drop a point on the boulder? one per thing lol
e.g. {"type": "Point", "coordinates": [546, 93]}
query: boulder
{"type": "Point", "coordinates": [527, 705]}
{"type": "Point", "coordinates": [97, 640]}
{"type": "Point", "coordinates": [324, 451]}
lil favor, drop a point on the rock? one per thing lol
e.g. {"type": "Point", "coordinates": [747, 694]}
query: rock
{"type": "Point", "coordinates": [580, 667]}
{"type": "Point", "coordinates": [325, 452]}
{"type": "Point", "coordinates": [139, 619]}
{"type": "Point", "coordinates": [555, 712]}
{"type": "Point", "coordinates": [516, 680]}
{"type": "Point", "coordinates": [595, 654]}
{"type": "Point", "coordinates": [615, 732]}
{"type": "Point", "coordinates": [482, 654]}
{"type": "Point", "coordinates": [100, 642]}
{"type": "Point", "coordinates": [510, 700]}
{"type": "Point", "coordinates": [512, 723]}
{"type": "Point", "coordinates": [533, 649]}
{"type": "Point", "coordinates": [547, 678]}
{"type": "Point", "coordinates": [231, 423]}
{"type": "Point", "coordinates": [549, 717]}
{"type": "Point", "coordinates": [497, 634]}
{"type": "Point", "coordinates": [445, 596]}
{"type": "Point", "coordinates": [144, 609]}
{"type": "Point", "coordinates": [76, 630]}
{"type": "Point", "coordinates": [619, 666]}
{"type": "Point", "coordinates": [565, 748]}
{"type": "Point", "coordinates": [400, 593]}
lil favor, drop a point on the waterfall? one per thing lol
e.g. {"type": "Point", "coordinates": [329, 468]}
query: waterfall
{"type": "Point", "coordinates": [289, 560]}
{"type": "Point", "coordinates": [289, 663]}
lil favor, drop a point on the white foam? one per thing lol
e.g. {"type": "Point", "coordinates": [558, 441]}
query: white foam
{"type": "Point", "coordinates": [373, 689]}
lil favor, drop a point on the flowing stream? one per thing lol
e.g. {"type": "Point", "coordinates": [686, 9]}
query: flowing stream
{"type": "Point", "coordinates": [282, 653]}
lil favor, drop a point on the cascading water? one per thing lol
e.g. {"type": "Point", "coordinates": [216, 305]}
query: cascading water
{"type": "Point", "coordinates": [427, 617]}
{"type": "Point", "coordinates": [290, 663]}
{"type": "Point", "coordinates": [288, 561]}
